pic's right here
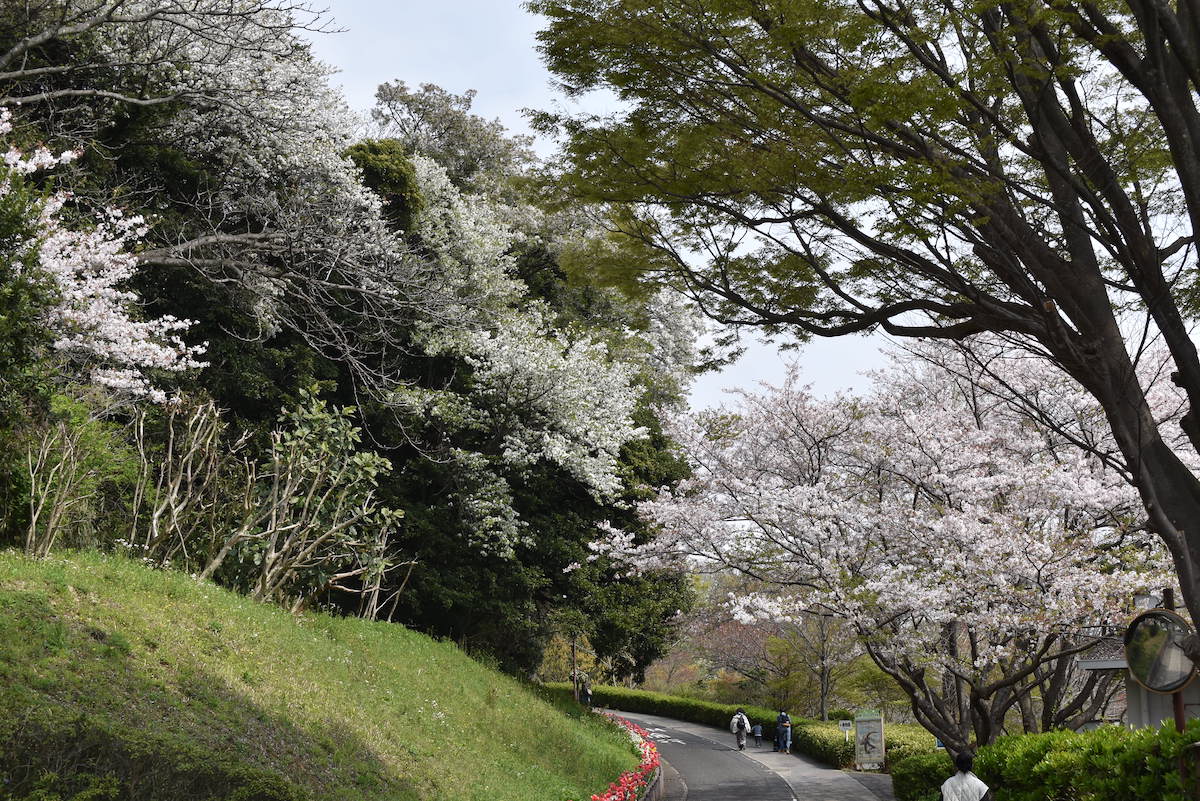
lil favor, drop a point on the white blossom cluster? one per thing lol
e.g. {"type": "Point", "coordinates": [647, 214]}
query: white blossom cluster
{"type": "Point", "coordinates": [551, 395]}
{"type": "Point", "coordinates": [930, 502]}
{"type": "Point", "coordinates": [94, 319]}
{"type": "Point", "coordinates": [283, 218]}
{"type": "Point", "coordinates": [568, 382]}
{"type": "Point", "coordinates": [583, 402]}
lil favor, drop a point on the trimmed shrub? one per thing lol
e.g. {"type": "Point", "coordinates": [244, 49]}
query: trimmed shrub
{"type": "Point", "coordinates": [917, 777]}
{"type": "Point", "coordinates": [825, 742]}
{"type": "Point", "coordinates": [820, 739]}
{"type": "Point", "coordinates": [1111, 763]}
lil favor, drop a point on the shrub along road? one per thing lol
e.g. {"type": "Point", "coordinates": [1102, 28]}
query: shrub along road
{"type": "Point", "coordinates": [712, 769]}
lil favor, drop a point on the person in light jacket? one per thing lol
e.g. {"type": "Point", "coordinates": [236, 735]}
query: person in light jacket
{"type": "Point", "coordinates": [739, 725]}
{"type": "Point", "coordinates": [965, 785]}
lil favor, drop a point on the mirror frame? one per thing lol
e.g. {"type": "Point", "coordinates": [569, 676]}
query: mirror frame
{"type": "Point", "coordinates": [1183, 624]}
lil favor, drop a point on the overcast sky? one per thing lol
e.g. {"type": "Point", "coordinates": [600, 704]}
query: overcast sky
{"type": "Point", "coordinates": [489, 46]}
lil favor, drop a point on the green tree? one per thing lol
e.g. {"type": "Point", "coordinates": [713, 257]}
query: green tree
{"type": "Point", "coordinates": [1029, 170]}
{"type": "Point", "coordinates": [25, 293]}
{"type": "Point", "coordinates": [435, 123]}
{"type": "Point", "coordinates": [387, 170]}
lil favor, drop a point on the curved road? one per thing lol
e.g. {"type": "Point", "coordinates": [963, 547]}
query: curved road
{"type": "Point", "coordinates": [705, 765]}
{"type": "Point", "coordinates": [711, 769]}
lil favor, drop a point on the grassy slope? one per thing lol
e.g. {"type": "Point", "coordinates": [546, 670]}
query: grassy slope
{"type": "Point", "coordinates": [341, 707]}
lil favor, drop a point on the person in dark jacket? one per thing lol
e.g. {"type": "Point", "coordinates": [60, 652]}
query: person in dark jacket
{"type": "Point", "coordinates": [783, 732]}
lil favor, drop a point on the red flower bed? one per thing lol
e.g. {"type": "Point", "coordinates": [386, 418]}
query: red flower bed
{"type": "Point", "coordinates": [631, 783]}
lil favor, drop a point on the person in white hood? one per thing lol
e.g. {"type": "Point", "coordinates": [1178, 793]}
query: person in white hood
{"type": "Point", "coordinates": [965, 785]}
{"type": "Point", "coordinates": [740, 727]}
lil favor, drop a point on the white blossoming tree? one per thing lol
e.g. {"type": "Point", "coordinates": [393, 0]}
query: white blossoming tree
{"type": "Point", "coordinates": [536, 393]}
{"type": "Point", "coordinates": [92, 319]}
{"type": "Point", "coordinates": [973, 552]}
{"type": "Point", "coordinates": [68, 317]}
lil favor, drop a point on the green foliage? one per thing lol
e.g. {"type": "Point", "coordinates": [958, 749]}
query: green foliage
{"type": "Point", "coordinates": [439, 125]}
{"type": "Point", "coordinates": [509, 607]}
{"type": "Point", "coordinates": [81, 473]}
{"type": "Point", "coordinates": [821, 740]}
{"type": "Point", "coordinates": [867, 686]}
{"type": "Point", "coordinates": [632, 622]}
{"type": "Point", "coordinates": [388, 171]}
{"type": "Point", "coordinates": [1111, 763]}
{"type": "Point", "coordinates": [313, 516]}
{"type": "Point", "coordinates": [918, 776]}
{"type": "Point", "coordinates": [177, 689]}
{"type": "Point", "coordinates": [25, 293]}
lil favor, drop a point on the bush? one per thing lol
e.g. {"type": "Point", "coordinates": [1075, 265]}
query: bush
{"type": "Point", "coordinates": [918, 777]}
{"type": "Point", "coordinates": [821, 740]}
{"type": "Point", "coordinates": [824, 742]}
{"type": "Point", "coordinates": [1111, 763]}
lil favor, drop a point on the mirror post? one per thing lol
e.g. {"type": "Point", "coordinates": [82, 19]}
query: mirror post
{"type": "Point", "coordinates": [1177, 696]}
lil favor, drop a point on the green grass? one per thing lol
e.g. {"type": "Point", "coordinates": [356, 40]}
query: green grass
{"type": "Point", "coordinates": [117, 681]}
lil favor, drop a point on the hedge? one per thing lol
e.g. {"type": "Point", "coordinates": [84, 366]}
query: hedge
{"type": "Point", "coordinates": [822, 740]}
{"type": "Point", "coordinates": [918, 777]}
{"type": "Point", "coordinates": [1111, 763]}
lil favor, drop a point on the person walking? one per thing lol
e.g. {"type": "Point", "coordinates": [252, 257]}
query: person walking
{"type": "Point", "coordinates": [739, 725]}
{"type": "Point", "coordinates": [783, 732]}
{"type": "Point", "coordinates": [758, 734]}
{"type": "Point", "coordinates": [585, 694]}
{"type": "Point", "coordinates": [965, 785]}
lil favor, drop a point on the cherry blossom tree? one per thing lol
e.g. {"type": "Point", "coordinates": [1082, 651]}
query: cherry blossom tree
{"type": "Point", "coordinates": [242, 162]}
{"type": "Point", "coordinates": [93, 320]}
{"type": "Point", "coordinates": [931, 170]}
{"type": "Point", "coordinates": [973, 552]}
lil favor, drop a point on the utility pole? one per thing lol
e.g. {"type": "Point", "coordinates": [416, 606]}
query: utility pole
{"type": "Point", "coordinates": [574, 670]}
{"type": "Point", "coordinates": [1177, 696]}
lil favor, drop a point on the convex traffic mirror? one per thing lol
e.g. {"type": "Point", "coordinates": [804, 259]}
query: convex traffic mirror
{"type": "Point", "coordinates": [1154, 651]}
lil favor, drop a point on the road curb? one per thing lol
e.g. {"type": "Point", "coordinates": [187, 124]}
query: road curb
{"type": "Point", "coordinates": [673, 784]}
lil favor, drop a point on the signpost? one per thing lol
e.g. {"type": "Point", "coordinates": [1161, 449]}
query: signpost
{"type": "Point", "coordinates": [846, 726]}
{"type": "Point", "coordinates": [868, 740]}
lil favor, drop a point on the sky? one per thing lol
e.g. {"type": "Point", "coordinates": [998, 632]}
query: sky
{"type": "Point", "coordinates": [489, 46]}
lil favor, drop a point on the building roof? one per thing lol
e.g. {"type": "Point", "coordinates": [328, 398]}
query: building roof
{"type": "Point", "coordinates": [1107, 654]}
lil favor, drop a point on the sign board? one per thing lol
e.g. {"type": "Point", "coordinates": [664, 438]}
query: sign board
{"type": "Point", "coordinates": [868, 740]}
{"type": "Point", "coordinates": [937, 743]}
{"type": "Point", "coordinates": [845, 725]}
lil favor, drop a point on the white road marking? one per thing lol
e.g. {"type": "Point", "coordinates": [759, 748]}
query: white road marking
{"type": "Point", "coordinates": [661, 735]}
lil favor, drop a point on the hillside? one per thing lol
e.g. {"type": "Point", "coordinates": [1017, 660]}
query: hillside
{"type": "Point", "coordinates": [117, 681]}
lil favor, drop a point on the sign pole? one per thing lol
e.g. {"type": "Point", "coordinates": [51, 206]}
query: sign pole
{"type": "Point", "coordinates": [1177, 696]}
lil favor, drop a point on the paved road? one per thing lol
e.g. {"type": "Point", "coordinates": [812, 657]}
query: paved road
{"type": "Point", "coordinates": [710, 769]}
{"type": "Point", "coordinates": [705, 765]}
